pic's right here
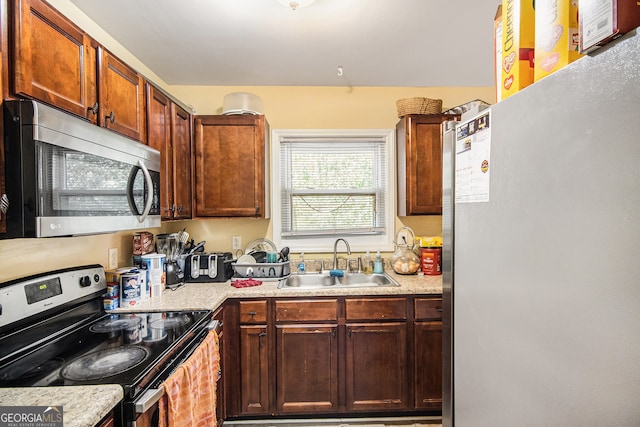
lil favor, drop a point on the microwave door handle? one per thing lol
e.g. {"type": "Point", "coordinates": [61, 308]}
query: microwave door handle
{"type": "Point", "coordinates": [147, 177]}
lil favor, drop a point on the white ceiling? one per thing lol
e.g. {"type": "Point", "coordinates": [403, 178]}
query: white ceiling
{"type": "Point", "coordinates": [262, 43]}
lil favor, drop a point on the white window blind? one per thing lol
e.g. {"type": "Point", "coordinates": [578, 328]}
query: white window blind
{"type": "Point", "coordinates": [333, 186]}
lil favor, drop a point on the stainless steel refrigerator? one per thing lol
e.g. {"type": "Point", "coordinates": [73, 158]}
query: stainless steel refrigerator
{"type": "Point", "coordinates": [541, 225]}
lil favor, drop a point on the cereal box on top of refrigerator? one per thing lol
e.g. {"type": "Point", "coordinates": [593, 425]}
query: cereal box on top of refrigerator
{"type": "Point", "coordinates": [518, 40]}
{"type": "Point", "coordinates": [602, 21]}
{"type": "Point", "coordinates": [497, 51]}
{"type": "Point", "coordinates": [557, 37]}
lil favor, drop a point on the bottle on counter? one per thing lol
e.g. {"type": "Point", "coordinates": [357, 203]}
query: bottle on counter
{"type": "Point", "coordinates": [377, 266]}
{"type": "Point", "coordinates": [302, 269]}
{"type": "Point", "coordinates": [368, 264]}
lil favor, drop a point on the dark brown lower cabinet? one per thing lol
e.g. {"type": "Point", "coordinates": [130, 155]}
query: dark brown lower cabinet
{"type": "Point", "coordinates": [254, 370]}
{"type": "Point", "coordinates": [307, 368]}
{"type": "Point", "coordinates": [333, 356]}
{"type": "Point", "coordinates": [376, 374]}
{"type": "Point", "coordinates": [428, 367]}
{"type": "Point", "coordinates": [220, 398]}
{"type": "Point", "coordinates": [428, 353]}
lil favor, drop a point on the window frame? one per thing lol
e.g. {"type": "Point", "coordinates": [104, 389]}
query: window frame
{"type": "Point", "coordinates": [358, 243]}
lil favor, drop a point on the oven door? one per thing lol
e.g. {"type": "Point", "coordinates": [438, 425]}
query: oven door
{"type": "Point", "coordinates": [144, 410]}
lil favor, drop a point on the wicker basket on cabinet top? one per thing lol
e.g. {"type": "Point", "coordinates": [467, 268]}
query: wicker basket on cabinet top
{"type": "Point", "coordinates": [418, 106]}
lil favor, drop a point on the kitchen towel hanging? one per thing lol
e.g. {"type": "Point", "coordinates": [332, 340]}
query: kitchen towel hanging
{"type": "Point", "coordinates": [190, 392]}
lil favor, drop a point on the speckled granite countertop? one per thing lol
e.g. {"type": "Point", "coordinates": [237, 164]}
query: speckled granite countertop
{"type": "Point", "coordinates": [82, 406]}
{"type": "Point", "coordinates": [209, 296]}
{"type": "Point", "coordinates": [87, 405]}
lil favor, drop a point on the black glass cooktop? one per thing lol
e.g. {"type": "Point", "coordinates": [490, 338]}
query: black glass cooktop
{"type": "Point", "coordinates": [108, 349]}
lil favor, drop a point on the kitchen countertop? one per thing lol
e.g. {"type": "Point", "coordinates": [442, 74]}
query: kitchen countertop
{"type": "Point", "coordinates": [209, 296]}
{"type": "Point", "coordinates": [87, 405]}
{"type": "Point", "coordinates": [82, 406]}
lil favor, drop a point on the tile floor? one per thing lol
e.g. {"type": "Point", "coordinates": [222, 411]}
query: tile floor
{"type": "Point", "coordinates": [342, 422]}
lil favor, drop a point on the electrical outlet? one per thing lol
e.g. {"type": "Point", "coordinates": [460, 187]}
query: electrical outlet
{"type": "Point", "coordinates": [113, 258]}
{"type": "Point", "coordinates": [236, 242]}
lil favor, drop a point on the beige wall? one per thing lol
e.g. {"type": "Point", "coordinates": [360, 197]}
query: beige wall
{"type": "Point", "coordinates": [285, 108]}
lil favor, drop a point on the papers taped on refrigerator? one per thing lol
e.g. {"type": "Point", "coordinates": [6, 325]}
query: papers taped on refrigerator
{"type": "Point", "coordinates": [473, 159]}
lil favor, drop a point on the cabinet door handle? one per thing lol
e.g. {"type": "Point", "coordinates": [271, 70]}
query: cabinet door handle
{"type": "Point", "coordinates": [4, 203]}
{"type": "Point", "coordinates": [252, 313]}
{"type": "Point", "coordinates": [93, 109]}
{"type": "Point", "coordinates": [257, 210]}
{"type": "Point", "coordinates": [349, 332]}
{"type": "Point", "coordinates": [262, 334]}
{"type": "Point", "coordinates": [111, 117]}
{"type": "Point", "coordinates": [333, 333]}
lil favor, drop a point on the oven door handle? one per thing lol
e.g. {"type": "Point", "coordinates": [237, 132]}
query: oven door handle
{"type": "Point", "coordinates": [148, 399]}
{"type": "Point", "coordinates": [215, 325]}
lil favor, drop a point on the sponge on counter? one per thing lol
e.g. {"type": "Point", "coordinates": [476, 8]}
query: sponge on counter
{"type": "Point", "coordinates": [336, 273]}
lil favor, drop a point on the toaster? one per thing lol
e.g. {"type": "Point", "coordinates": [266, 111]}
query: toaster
{"type": "Point", "coordinates": [208, 267]}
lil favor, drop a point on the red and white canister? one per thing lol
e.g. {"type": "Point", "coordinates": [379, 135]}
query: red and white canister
{"type": "Point", "coordinates": [431, 260]}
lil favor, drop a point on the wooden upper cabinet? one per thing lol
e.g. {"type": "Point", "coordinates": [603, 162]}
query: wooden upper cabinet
{"type": "Point", "coordinates": [159, 137]}
{"type": "Point", "coordinates": [181, 138]}
{"type": "Point", "coordinates": [230, 166]}
{"type": "Point", "coordinates": [3, 218]}
{"type": "Point", "coordinates": [54, 61]}
{"type": "Point", "coordinates": [419, 156]}
{"type": "Point", "coordinates": [121, 94]}
{"type": "Point", "coordinates": [57, 63]}
{"type": "Point", "coordinates": [169, 131]}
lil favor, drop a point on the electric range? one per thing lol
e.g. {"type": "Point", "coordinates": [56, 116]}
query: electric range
{"type": "Point", "coordinates": [54, 332]}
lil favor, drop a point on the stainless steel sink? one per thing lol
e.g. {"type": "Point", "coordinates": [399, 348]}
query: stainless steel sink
{"type": "Point", "coordinates": [326, 281]}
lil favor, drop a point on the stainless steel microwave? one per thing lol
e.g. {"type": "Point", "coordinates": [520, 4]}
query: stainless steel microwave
{"type": "Point", "coordinates": [65, 176]}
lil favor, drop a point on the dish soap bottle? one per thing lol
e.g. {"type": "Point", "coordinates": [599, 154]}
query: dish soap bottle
{"type": "Point", "coordinates": [301, 266]}
{"type": "Point", "coordinates": [368, 264]}
{"type": "Point", "coordinates": [377, 267]}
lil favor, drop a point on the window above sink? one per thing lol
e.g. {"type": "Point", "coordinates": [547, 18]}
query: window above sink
{"type": "Point", "coordinates": [333, 183]}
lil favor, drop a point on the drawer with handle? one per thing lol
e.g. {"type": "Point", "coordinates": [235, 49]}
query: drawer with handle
{"type": "Point", "coordinates": [428, 308]}
{"type": "Point", "coordinates": [252, 312]}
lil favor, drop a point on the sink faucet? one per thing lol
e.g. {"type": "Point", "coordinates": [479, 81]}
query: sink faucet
{"type": "Point", "coordinates": [335, 252]}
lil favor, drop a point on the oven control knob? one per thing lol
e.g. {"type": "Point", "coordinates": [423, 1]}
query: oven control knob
{"type": "Point", "coordinates": [96, 278]}
{"type": "Point", "coordinates": [85, 281]}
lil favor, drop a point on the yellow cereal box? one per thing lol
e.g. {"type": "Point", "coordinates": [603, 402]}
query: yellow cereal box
{"type": "Point", "coordinates": [557, 36]}
{"type": "Point", "coordinates": [497, 49]}
{"type": "Point", "coordinates": [518, 40]}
